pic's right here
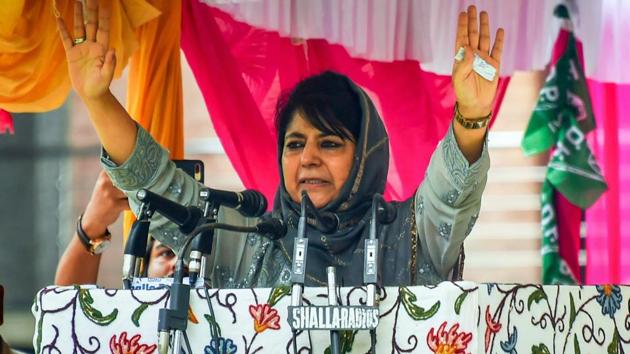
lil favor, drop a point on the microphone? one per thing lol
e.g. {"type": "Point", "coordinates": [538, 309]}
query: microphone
{"type": "Point", "coordinates": [385, 212]}
{"type": "Point", "coordinates": [325, 221]}
{"type": "Point", "coordinates": [248, 202]}
{"type": "Point", "coordinates": [272, 228]}
{"type": "Point", "coordinates": [382, 213]}
{"type": "Point", "coordinates": [136, 247]}
{"type": "Point", "coordinates": [200, 249]}
{"type": "Point", "coordinates": [137, 241]}
{"type": "Point", "coordinates": [186, 217]}
{"type": "Point", "coordinates": [201, 246]}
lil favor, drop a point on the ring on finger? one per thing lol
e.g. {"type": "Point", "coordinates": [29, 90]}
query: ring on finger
{"type": "Point", "coordinates": [78, 40]}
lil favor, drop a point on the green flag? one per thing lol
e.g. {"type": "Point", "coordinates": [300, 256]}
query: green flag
{"type": "Point", "coordinates": [562, 117]}
{"type": "Point", "coordinates": [555, 269]}
{"type": "Point", "coordinates": [563, 98]}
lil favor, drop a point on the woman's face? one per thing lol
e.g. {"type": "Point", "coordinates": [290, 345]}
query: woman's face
{"type": "Point", "coordinates": [314, 162]}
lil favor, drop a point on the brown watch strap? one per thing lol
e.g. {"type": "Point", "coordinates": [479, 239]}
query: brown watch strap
{"type": "Point", "coordinates": [83, 237]}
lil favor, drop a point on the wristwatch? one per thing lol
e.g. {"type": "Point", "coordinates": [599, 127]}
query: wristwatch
{"type": "Point", "coordinates": [94, 246]}
{"type": "Point", "coordinates": [474, 123]}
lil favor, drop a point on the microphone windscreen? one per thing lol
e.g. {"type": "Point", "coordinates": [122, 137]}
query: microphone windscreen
{"type": "Point", "coordinates": [386, 213]}
{"type": "Point", "coordinates": [254, 203]}
{"type": "Point", "coordinates": [328, 222]}
{"type": "Point", "coordinates": [273, 228]}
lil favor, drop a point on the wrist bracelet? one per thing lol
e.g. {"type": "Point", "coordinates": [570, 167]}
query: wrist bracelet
{"type": "Point", "coordinates": [471, 123]}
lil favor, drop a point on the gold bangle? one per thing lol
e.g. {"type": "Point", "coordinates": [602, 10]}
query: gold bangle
{"type": "Point", "coordinates": [471, 123]}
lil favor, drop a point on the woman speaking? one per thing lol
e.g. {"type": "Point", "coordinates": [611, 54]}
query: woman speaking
{"type": "Point", "coordinates": [331, 144]}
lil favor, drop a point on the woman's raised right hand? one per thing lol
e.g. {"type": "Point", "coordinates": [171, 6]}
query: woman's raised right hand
{"type": "Point", "coordinates": [91, 62]}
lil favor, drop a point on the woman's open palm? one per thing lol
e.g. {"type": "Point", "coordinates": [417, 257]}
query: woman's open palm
{"type": "Point", "coordinates": [471, 89]}
{"type": "Point", "coordinates": [91, 62]}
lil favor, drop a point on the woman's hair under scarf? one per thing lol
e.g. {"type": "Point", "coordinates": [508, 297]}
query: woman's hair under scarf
{"type": "Point", "coordinates": [344, 247]}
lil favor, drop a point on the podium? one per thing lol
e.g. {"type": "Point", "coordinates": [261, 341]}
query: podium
{"type": "Point", "coordinates": [466, 316]}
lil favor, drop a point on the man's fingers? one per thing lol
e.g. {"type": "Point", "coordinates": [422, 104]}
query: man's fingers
{"type": "Point", "coordinates": [497, 49]}
{"type": "Point", "coordinates": [473, 27]}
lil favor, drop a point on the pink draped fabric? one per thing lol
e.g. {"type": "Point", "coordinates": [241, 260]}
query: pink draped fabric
{"type": "Point", "coordinates": [6, 122]}
{"type": "Point", "coordinates": [608, 225]}
{"type": "Point", "coordinates": [423, 30]}
{"type": "Point", "coordinates": [242, 70]}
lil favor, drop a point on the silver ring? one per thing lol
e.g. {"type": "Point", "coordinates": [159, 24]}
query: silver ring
{"type": "Point", "coordinates": [78, 40]}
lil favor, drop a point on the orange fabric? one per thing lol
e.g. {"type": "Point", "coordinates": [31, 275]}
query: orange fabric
{"type": "Point", "coordinates": [154, 96]}
{"type": "Point", "coordinates": [33, 70]}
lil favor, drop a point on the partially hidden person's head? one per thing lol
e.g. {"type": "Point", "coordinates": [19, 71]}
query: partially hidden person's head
{"type": "Point", "coordinates": [325, 126]}
{"type": "Point", "coordinates": [161, 260]}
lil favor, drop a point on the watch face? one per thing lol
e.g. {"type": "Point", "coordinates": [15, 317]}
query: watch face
{"type": "Point", "coordinates": [99, 246]}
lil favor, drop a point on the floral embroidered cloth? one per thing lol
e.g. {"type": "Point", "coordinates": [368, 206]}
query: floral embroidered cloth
{"type": "Point", "coordinates": [454, 318]}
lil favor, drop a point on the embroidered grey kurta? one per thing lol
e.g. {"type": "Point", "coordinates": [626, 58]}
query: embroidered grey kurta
{"type": "Point", "coordinates": [445, 208]}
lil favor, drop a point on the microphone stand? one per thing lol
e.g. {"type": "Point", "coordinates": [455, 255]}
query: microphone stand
{"type": "Point", "coordinates": [371, 257]}
{"type": "Point", "coordinates": [298, 268]}
{"type": "Point", "coordinates": [201, 246]}
{"type": "Point", "coordinates": [175, 317]}
{"type": "Point", "coordinates": [332, 301]}
{"type": "Point", "coordinates": [201, 249]}
{"type": "Point", "coordinates": [173, 320]}
{"type": "Point", "coordinates": [136, 247]}
{"type": "Point", "coordinates": [370, 268]}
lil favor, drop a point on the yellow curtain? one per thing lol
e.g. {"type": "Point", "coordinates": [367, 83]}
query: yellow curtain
{"type": "Point", "coordinates": [33, 70]}
{"type": "Point", "coordinates": [154, 96]}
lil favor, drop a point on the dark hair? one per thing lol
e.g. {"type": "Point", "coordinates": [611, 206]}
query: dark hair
{"type": "Point", "coordinates": [327, 101]}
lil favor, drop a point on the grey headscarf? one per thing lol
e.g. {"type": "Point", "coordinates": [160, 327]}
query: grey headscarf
{"type": "Point", "coordinates": [344, 248]}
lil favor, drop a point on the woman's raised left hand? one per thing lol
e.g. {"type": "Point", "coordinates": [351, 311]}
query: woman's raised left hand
{"type": "Point", "coordinates": [474, 93]}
